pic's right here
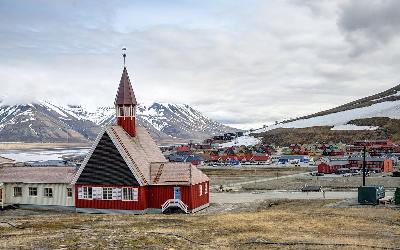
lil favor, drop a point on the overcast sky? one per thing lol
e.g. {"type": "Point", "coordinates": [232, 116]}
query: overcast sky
{"type": "Point", "coordinates": [244, 63]}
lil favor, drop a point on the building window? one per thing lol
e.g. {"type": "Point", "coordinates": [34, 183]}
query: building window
{"type": "Point", "coordinates": [69, 192]}
{"type": "Point", "coordinates": [205, 188]}
{"type": "Point", "coordinates": [107, 193]}
{"type": "Point", "coordinates": [87, 192]}
{"type": "Point", "coordinates": [17, 191]}
{"type": "Point", "coordinates": [130, 194]}
{"type": "Point", "coordinates": [48, 192]}
{"type": "Point", "coordinates": [201, 189]}
{"type": "Point", "coordinates": [33, 191]}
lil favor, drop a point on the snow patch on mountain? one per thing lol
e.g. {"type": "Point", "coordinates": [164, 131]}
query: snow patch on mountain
{"type": "Point", "coordinates": [389, 109]}
{"type": "Point", "coordinates": [43, 121]}
{"type": "Point", "coordinates": [243, 140]}
{"type": "Point", "coordinates": [353, 127]}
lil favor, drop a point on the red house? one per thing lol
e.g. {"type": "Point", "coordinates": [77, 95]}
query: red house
{"type": "Point", "coordinates": [372, 163]}
{"type": "Point", "coordinates": [125, 171]}
{"type": "Point", "coordinates": [332, 166]}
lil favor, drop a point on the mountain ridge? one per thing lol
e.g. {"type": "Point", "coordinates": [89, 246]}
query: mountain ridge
{"type": "Point", "coordinates": [383, 104]}
{"type": "Point", "coordinates": [387, 95]}
{"type": "Point", "coordinates": [373, 117]}
{"type": "Point", "coordinates": [43, 121]}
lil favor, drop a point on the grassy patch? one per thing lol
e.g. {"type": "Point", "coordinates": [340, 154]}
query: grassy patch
{"type": "Point", "coordinates": [292, 222]}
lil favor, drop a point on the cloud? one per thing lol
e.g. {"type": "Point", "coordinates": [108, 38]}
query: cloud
{"type": "Point", "coordinates": [244, 64]}
{"type": "Point", "coordinates": [369, 24]}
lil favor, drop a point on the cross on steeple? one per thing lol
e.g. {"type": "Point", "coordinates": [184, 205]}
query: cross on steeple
{"type": "Point", "coordinates": [124, 54]}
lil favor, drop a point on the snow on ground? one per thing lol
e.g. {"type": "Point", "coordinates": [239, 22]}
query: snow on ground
{"type": "Point", "coordinates": [243, 140]}
{"type": "Point", "coordinates": [383, 109]}
{"type": "Point", "coordinates": [353, 127]}
{"type": "Point", "coordinates": [42, 155]}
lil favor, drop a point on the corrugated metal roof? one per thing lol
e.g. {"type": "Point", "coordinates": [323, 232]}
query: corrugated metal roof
{"type": "Point", "coordinates": [353, 158]}
{"type": "Point", "coordinates": [293, 157]}
{"type": "Point", "coordinates": [125, 94]}
{"type": "Point", "coordinates": [338, 163]}
{"type": "Point", "coordinates": [37, 174]}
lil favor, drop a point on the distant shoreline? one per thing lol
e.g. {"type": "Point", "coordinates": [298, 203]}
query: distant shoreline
{"type": "Point", "coordinates": [22, 145]}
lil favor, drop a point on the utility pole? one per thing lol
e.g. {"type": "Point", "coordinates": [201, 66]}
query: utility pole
{"type": "Point", "coordinates": [364, 163]}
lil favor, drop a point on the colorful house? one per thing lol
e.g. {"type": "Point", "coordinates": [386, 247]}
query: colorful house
{"type": "Point", "coordinates": [331, 167]}
{"type": "Point", "coordinates": [125, 171]}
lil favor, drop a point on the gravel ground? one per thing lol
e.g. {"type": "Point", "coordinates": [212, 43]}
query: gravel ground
{"type": "Point", "coordinates": [327, 182]}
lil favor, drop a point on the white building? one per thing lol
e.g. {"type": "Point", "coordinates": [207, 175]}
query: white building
{"type": "Point", "coordinates": [37, 186]}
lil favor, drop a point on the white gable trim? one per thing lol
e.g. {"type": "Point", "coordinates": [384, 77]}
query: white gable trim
{"type": "Point", "coordinates": [127, 160]}
{"type": "Point", "coordinates": [88, 156]}
{"type": "Point", "coordinates": [94, 146]}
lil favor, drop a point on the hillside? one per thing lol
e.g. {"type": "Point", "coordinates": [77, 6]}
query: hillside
{"type": "Point", "coordinates": [385, 104]}
{"type": "Point", "coordinates": [373, 117]}
{"type": "Point", "coordinates": [47, 122]}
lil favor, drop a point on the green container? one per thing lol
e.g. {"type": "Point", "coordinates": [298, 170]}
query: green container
{"type": "Point", "coordinates": [397, 196]}
{"type": "Point", "coordinates": [370, 195]}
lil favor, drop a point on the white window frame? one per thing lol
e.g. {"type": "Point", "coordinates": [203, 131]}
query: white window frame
{"type": "Point", "coordinates": [31, 189]}
{"type": "Point", "coordinates": [201, 190]}
{"type": "Point", "coordinates": [19, 193]}
{"type": "Point", "coordinates": [127, 194]}
{"type": "Point", "coordinates": [86, 195]}
{"type": "Point", "coordinates": [121, 111]}
{"type": "Point", "coordinates": [205, 188]}
{"type": "Point", "coordinates": [107, 193]}
{"type": "Point", "coordinates": [126, 111]}
{"type": "Point", "coordinates": [69, 192]}
{"type": "Point", "coordinates": [49, 191]}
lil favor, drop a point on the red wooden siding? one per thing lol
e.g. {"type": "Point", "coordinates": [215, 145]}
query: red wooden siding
{"type": "Point", "coordinates": [113, 204]}
{"type": "Point", "coordinates": [128, 123]}
{"type": "Point", "coordinates": [148, 197]}
{"type": "Point", "coordinates": [159, 194]}
{"type": "Point", "coordinates": [197, 199]}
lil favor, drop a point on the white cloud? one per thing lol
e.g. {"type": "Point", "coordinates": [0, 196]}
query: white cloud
{"type": "Point", "coordinates": [244, 64]}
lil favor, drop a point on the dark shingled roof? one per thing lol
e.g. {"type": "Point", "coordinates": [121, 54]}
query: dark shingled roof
{"type": "Point", "coordinates": [125, 94]}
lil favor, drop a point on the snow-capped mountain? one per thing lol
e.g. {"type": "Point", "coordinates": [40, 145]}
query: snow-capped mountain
{"type": "Point", "coordinates": [385, 104]}
{"type": "Point", "coordinates": [47, 122]}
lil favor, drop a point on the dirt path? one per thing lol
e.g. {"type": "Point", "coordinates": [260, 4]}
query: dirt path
{"type": "Point", "coordinates": [238, 185]}
{"type": "Point", "coordinates": [223, 198]}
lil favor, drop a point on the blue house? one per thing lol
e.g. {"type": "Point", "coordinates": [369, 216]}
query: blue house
{"type": "Point", "coordinates": [292, 158]}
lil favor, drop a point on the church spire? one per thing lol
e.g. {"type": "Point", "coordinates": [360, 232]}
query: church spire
{"type": "Point", "coordinates": [125, 102]}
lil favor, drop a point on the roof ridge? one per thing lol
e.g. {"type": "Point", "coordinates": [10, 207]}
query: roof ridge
{"type": "Point", "coordinates": [124, 147]}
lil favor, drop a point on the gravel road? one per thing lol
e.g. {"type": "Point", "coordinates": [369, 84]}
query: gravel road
{"type": "Point", "coordinates": [222, 198]}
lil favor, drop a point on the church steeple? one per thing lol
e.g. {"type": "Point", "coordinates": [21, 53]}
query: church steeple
{"type": "Point", "coordinates": [125, 103]}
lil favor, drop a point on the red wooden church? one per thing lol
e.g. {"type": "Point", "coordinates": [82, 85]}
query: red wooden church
{"type": "Point", "coordinates": [125, 171]}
